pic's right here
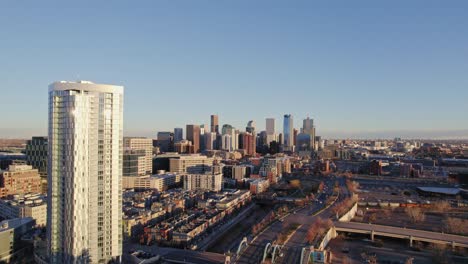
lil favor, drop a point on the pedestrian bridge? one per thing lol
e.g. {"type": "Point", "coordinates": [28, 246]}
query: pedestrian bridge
{"type": "Point", "coordinates": [403, 233]}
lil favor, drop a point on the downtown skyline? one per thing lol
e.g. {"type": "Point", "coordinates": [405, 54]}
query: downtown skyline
{"type": "Point", "coordinates": [402, 72]}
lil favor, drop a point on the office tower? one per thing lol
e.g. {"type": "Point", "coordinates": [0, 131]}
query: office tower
{"type": "Point", "coordinates": [270, 130]}
{"type": "Point", "coordinates": [288, 133]}
{"type": "Point", "coordinates": [233, 143]}
{"type": "Point", "coordinates": [248, 144]}
{"type": "Point", "coordinates": [226, 142]}
{"type": "Point", "coordinates": [250, 127]}
{"type": "Point", "coordinates": [190, 164]}
{"type": "Point", "coordinates": [146, 144]}
{"type": "Point", "coordinates": [36, 156]}
{"type": "Point", "coordinates": [178, 134]}
{"type": "Point", "coordinates": [203, 130]}
{"type": "Point", "coordinates": [309, 129]}
{"type": "Point", "coordinates": [165, 141]}
{"type": "Point", "coordinates": [193, 135]}
{"type": "Point", "coordinates": [84, 172]}
{"type": "Point", "coordinates": [295, 132]}
{"type": "Point", "coordinates": [235, 139]}
{"type": "Point", "coordinates": [214, 124]}
{"type": "Point", "coordinates": [20, 179]}
{"type": "Point", "coordinates": [210, 141]}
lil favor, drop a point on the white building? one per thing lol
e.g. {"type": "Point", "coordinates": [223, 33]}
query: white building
{"type": "Point", "coordinates": [208, 182]}
{"type": "Point", "coordinates": [161, 182]}
{"type": "Point", "coordinates": [141, 143]}
{"type": "Point", "coordinates": [226, 141]}
{"type": "Point", "coordinates": [190, 164]}
{"type": "Point", "coordinates": [85, 172]}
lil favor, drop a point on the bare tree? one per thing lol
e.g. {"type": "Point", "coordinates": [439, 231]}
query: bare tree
{"type": "Point", "coordinates": [441, 206]}
{"type": "Point", "coordinates": [416, 214]}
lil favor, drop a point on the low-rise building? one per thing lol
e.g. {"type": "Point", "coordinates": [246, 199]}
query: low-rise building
{"type": "Point", "coordinates": [19, 179]}
{"type": "Point", "coordinates": [208, 182]}
{"type": "Point", "coordinates": [190, 164]}
{"type": "Point", "coordinates": [20, 206]}
{"type": "Point", "coordinates": [10, 237]}
{"type": "Point", "coordinates": [161, 182]}
{"type": "Point", "coordinates": [259, 186]}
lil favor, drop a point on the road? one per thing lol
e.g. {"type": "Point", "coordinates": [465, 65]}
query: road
{"type": "Point", "coordinates": [180, 255]}
{"type": "Point", "coordinates": [292, 249]}
{"type": "Point", "coordinates": [399, 232]}
{"type": "Point", "coordinates": [254, 252]}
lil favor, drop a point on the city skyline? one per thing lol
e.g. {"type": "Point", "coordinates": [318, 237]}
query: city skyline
{"type": "Point", "coordinates": [388, 76]}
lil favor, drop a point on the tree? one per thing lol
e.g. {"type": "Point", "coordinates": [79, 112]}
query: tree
{"type": "Point", "coordinates": [372, 218]}
{"type": "Point", "coordinates": [441, 206]}
{"type": "Point", "coordinates": [456, 225]}
{"type": "Point", "coordinates": [295, 184]}
{"type": "Point", "coordinates": [416, 214]}
{"type": "Point", "coordinates": [409, 260]}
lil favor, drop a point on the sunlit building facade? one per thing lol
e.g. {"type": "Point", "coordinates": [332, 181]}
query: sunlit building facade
{"type": "Point", "coordinates": [85, 172]}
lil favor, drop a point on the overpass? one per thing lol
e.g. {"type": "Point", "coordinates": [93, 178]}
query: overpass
{"type": "Point", "coordinates": [403, 233]}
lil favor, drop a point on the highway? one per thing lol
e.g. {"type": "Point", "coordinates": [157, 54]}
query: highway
{"type": "Point", "coordinates": [254, 252]}
{"type": "Point", "coordinates": [398, 232]}
{"type": "Point", "coordinates": [292, 249]}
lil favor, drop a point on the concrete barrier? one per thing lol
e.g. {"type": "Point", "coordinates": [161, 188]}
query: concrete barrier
{"type": "Point", "coordinates": [350, 214]}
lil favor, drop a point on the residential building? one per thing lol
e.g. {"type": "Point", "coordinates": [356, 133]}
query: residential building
{"type": "Point", "coordinates": [36, 156]}
{"type": "Point", "coordinates": [259, 186]}
{"type": "Point", "coordinates": [11, 232]}
{"type": "Point", "coordinates": [21, 206]}
{"type": "Point", "coordinates": [158, 182]}
{"type": "Point", "coordinates": [85, 171]}
{"type": "Point", "coordinates": [20, 179]}
{"type": "Point", "coordinates": [141, 143]}
{"type": "Point", "coordinates": [190, 164]}
{"type": "Point", "coordinates": [134, 162]}
{"type": "Point", "coordinates": [207, 182]}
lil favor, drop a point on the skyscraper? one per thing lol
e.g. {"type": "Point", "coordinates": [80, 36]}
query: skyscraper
{"type": "Point", "coordinates": [165, 141]}
{"type": "Point", "coordinates": [193, 135]}
{"type": "Point", "coordinates": [288, 135]}
{"type": "Point", "coordinates": [250, 127]}
{"type": "Point", "coordinates": [214, 124]}
{"type": "Point", "coordinates": [178, 134]}
{"type": "Point", "coordinates": [309, 129]}
{"type": "Point", "coordinates": [84, 214]}
{"type": "Point", "coordinates": [270, 130]}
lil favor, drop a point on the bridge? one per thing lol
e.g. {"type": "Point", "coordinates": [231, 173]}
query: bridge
{"type": "Point", "coordinates": [403, 233]}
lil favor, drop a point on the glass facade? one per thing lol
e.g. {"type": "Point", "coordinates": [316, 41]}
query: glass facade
{"type": "Point", "coordinates": [85, 172]}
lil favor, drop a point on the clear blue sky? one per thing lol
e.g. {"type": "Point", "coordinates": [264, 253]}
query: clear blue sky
{"type": "Point", "coordinates": [356, 67]}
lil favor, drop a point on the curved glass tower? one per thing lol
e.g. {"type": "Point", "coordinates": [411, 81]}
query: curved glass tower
{"type": "Point", "coordinates": [288, 133]}
{"type": "Point", "coordinates": [85, 171]}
